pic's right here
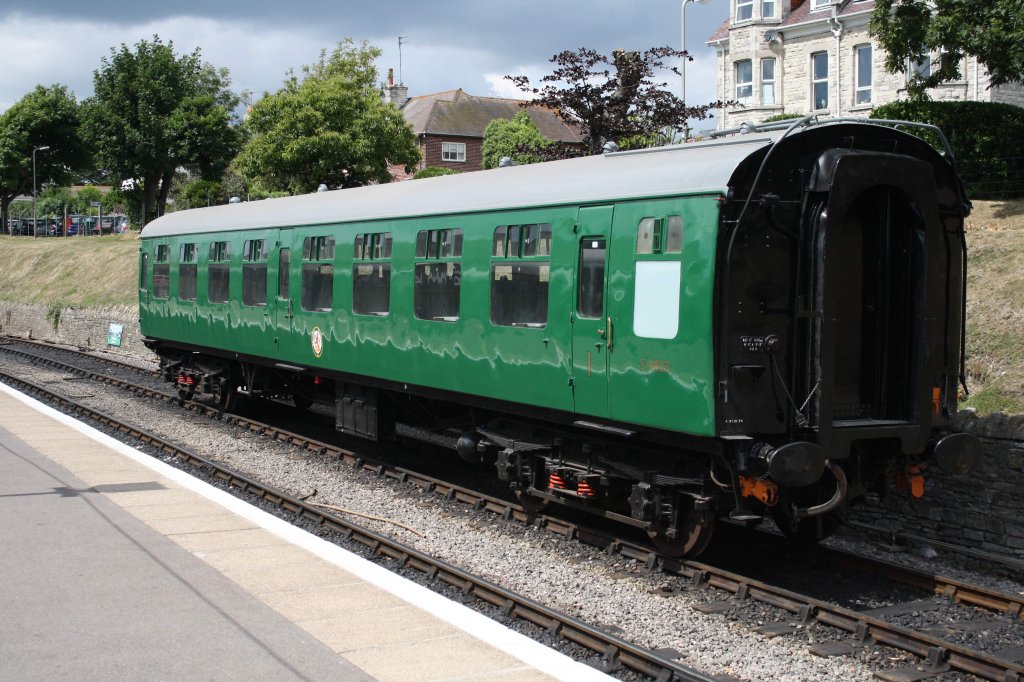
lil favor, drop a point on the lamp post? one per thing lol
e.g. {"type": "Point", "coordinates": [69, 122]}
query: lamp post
{"type": "Point", "coordinates": [35, 226]}
{"type": "Point", "coordinates": [682, 67]}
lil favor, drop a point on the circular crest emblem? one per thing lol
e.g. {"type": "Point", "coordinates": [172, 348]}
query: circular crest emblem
{"type": "Point", "coordinates": [316, 338]}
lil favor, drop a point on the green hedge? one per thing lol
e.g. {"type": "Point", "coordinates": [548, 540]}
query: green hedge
{"type": "Point", "coordinates": [782, 117]}
{"type": "Point", "coordinates": [987, 141]}
{"type": "Point", "coordinates": [433, 172]}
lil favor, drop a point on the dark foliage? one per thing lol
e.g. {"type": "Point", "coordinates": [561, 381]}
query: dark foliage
{"type": "Point", "coordinates": [613, 98]}
{"type": "Point", "coordinates": [991, 30]}
{"type": "Point", "coordinates": [987, 141]}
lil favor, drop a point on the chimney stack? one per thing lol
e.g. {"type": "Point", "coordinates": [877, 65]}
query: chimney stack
{"type": "Point", "coordinates": [396, 94]}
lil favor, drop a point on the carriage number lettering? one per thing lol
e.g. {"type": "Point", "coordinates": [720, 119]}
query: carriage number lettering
{"type": "Point", "coordinates": [648, 365]}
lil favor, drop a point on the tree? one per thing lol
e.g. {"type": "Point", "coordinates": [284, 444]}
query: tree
{"type": "Point", "coordinates": [85, 198]}
{"type": "Point", "coordinates": [330, 126]}
{"type": "Point", "coordinates": [616, 98]}
{"type": "Point", "coordinates": [154, 111]}
{"type": "Point", "coordinates": [53, 200]}
{"type": "Point", "coordinates": [46, 117]}
{"type": "Point", "coordinates": [517, 139]}
{"type": "Point", "coordinates": [990, 30]}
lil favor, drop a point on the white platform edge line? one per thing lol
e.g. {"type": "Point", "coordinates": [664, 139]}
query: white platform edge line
{"type": "Point", "coordinates": [529, 651]}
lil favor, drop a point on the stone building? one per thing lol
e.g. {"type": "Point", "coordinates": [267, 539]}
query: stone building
{"type": "Point", "coordinates": [817, 57]}
{"type": "Point", "coordinates": [449, 125]}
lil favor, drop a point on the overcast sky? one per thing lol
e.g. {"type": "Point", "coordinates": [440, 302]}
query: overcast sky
{"type": "Point", "coordinates": [468, 44]}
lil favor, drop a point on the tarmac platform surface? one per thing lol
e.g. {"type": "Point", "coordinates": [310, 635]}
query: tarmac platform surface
{"type": "Point", "coordinates": [115, 565]}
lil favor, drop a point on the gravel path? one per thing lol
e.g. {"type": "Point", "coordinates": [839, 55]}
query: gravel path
{"type": "Point", "coordinates": [653, 610]}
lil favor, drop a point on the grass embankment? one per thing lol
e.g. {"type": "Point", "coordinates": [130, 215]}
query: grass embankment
{"type": "Point", "coordinates": [82, 272]}
{"type": "Point", "coordinates": [995, 307]}
{"type": "Point", "coordinates": [101, 271]}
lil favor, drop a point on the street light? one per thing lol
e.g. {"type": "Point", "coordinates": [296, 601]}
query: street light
{"type": "Point", "coordinates": [682, 70]}
{"type": "Point", "coordinates": [35, 225]}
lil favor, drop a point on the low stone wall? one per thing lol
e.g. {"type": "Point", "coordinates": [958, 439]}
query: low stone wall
{"type": "Point", "coordinates": [85, 327]}
{"type": "Point", "coordinates": [983, 509]}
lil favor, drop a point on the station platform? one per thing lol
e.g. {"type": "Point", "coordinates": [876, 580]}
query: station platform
{"type": "Point", "coordinates": [115, 565]}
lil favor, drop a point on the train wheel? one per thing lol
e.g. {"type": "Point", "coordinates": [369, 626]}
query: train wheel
{"type": "Point", "coordinates": [301, 401]}
{"type": "Point", "coordinates": [531, 503]}
{"type": "Point", "coordinates": [226, 398]}
{"type": "Point", "coordinates": [692, 537]}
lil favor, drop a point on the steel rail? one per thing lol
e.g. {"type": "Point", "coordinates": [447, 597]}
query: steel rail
{"type": "Point", "coordinates": [9, 338]}
{"type": "Point", "coordinates": [865, 628]}
{"type": "Point", "coordinates": [991, 557]}
{"type": "Point", "coordinates": [614, 650]}
{"type": "Point", "coordinates": [861, 625]}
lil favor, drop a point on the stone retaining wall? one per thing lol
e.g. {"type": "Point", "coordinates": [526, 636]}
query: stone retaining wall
{"type": "Point", "coordinates": [86, 327]}
{"type": "Point", "coordinates": [983, 509]}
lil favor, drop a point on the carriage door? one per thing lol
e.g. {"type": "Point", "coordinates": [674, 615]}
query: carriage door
{"type": "Point", "coordinates": [874, 241]}
{"type": "Point", "coordinates": [591, 333]}
{"type": "Point", "coordinates": [280, 287]}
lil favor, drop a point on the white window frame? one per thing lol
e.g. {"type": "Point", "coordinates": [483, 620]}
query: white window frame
{"type": "Point", "coordinates": [747, 85]}
{"type": "Point", "coordinates": [820, 4]}
{"type": "Point", "coordinates": [818, 80]}
{"type": "Point", "coordinates": [453, 151]}
{"type": "Point", "coordinates": [921, 66]}
{"type": "Point", "coordinates": [745, 6]}
{"type": "Point", "coordinates": [771, 82]}
{"type": "Point", "coordinates": [768, 9]}
{"type": "Point", "coordinates": [859, 89]}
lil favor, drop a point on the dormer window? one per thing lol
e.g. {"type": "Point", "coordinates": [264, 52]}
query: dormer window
{"type": "Point", "coordinates": [820, 4]}
{"type": "Point", "coordinates": [744, 10]}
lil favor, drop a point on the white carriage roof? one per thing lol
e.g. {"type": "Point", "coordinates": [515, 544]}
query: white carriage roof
{"type": "Point", "coordinates": [698, 168]}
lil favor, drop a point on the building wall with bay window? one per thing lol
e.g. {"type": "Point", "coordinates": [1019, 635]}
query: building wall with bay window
{"type": "Point", "coordinates": [851, 67]}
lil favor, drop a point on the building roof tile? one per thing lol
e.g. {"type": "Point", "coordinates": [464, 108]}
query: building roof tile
{"type": "Point", "coordinates": [454, 112]}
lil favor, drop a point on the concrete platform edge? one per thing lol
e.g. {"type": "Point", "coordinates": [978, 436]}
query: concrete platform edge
{"type": "Point", "coordinates": [462, 617]}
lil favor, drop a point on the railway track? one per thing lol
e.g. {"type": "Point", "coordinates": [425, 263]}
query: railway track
{"type": "Point", "coordinates": [937, 654]}
{"type": "Point", "coordinates": [614, 650]}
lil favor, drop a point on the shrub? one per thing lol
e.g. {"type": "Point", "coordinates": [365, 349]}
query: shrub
{"type": "Point", "coordinates": [433, 172]}
{"type": "Point", "coordinates": [987, 141]}
{"type": "Point", "coordinates": [782, 117]}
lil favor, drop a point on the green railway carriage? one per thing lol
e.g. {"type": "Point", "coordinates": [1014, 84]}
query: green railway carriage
{"type": "Point", "coordinates": [631, 331]}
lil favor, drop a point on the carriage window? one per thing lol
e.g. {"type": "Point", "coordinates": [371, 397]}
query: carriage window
{"type": "Point", "coordinates": [674, 234]}
{"type": "Point", "coordinates": [498, 245]}
{"type": "Point", "coordinates": [219, 271]}
{"type": "Point", "coordinates": [254, 272]}
{"type": "Point", "coordinates": [284, 263]}
{"type": "Point", "coordinates": [660, 235]}
{"type": "Point", "coordinates": [648, 236]}
{"type": "Point", "coordinates": [318, 273]}
{"type": "Point", "coordinates": [520, 272]}
{"type": "Point", "coordinates": [371, 274]}
{"type": "Point", "coordinates": [144, 270]}
{"type": "Point", "coordinates": [318, 248]}
{"type": "Point", "coordinates": [439, 243]}
{"type": "Point", "coordinates": [187, 272]}
{"type": "Point", "coordinates": [437, 283]}
{"type": "Point", "coordinates": [590, 301]}
{"type": "Point", "coordinates": [162, 272]}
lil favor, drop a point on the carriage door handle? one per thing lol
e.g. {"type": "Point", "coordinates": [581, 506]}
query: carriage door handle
{"type": "Point", "coordinates": [610, 334]}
